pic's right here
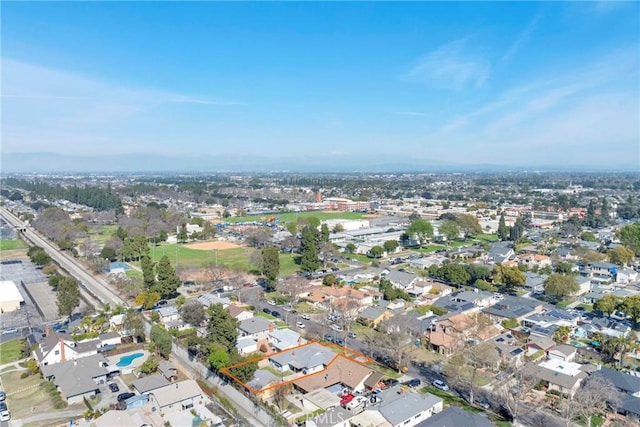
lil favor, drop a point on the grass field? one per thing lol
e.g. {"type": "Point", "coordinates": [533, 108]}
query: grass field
{"type": "Point", "coordinates": [487, 237]}
{"type": "Point", "coordinates": [231, 258]}
{"type": "Point", "coordinates": [293, 216]}
{"type": "Point", "coordinates": [25, 396]}
{"type": "Point", "coordinates": [10, 351]}
{"type": "Point", "coordinates": [8, 245]}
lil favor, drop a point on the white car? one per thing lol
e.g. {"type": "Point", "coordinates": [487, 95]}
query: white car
{"type": "Point", "coordinates": [336, 328]}
{"type": "Point", "coordinates": [305, 317]}
{"type": "Point", "coordinates": [441, 385]}
{"type": "Point", "coordinates": [300, 325]}
{"type": "Point", "coordinates": [5, 416]}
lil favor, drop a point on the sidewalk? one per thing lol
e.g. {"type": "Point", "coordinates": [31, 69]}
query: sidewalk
{"type": "Point", "coordinates": [15, 365]}
{"type": "Point", "coordinates": [47, 416]}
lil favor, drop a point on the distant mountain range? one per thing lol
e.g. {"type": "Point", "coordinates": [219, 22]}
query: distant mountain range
{"type": "Point", "coordinates": [146, 162]}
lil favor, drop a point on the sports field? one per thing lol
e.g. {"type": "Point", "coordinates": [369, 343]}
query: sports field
{"type": "Point", "coordinates": [293, 216]}
{"type": "Point", "coordinates": [236, 258]}
{"type": "Point", "coordinates": [8, 245]}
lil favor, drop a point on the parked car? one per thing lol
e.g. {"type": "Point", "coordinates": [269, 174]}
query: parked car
{"type": "Point", "coordinates": [3, 406]}
{"type": "Point", "coordinates": [5, 415]}
{"type": "Point", "coordinates": [390, 382]}
{"type": "Point", "coordinates": [339, 341]}
{"type": "Point", "coordinates": [10, 331]}
{"type": "Point", "coordinates": [352, 335]}
{"type": "Point", "coordinates": [483, 403]}
{"type": "Point", "coordinates": [2, 396]}
{"type": "Point", "coordinates": [125, 396]}
{"type": "Point", "coordinates": [275, 314]}
{"type": "Point", "coordinates": [441, 385]}
{"type": "Point", "coordinates": [305, 317]}
{"type": "Point", "coordinates": [414, 382]}
{"type": "Point", "coordinates": [328, 337]}
{"type": "Point", "coordinates": [336, 328]}
{"type": "Point", "coordinates": [114, 387]}
{"type": "Point", "coordinates": [300, 325]}
{"type": "Point", "coordinates": [266, 310]}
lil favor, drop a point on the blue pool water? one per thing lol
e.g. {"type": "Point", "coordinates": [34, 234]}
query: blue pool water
{"type": "Point", "coordinates": [118, 265]}
{"type": "Point", "coordinates": [126, 360]}
{"type": "Point", "coordinates": [196, 421]}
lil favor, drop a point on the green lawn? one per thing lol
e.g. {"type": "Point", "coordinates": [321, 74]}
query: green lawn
{"type": "Point", "coordinates": [449, 399]}
{"type": "Point", "coordinates": [293, 216]}
{"type": "Point", "coordinates": [427, 249]}
{"type": "Point", "coordinates": [7, 245]}
{"type": "Point", "coordinates": [288, 264]}
{"type": "Point", "coordinates": [133, 273]}
{"type": "Point", "coordinates": [25, 396]}
{"type": "Point", "coordinates": [358, 257]}
{"type": "Point", "coordinates": [487, 237]}
{"type": "Point", "coordinates": [10, 351]}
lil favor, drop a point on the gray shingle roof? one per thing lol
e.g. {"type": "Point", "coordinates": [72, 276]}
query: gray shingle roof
{"type": "Point", "coordinates": [149, 383]}
{"type": "Point", "coordinates": [254, 325]}
{"type": "Point", "coordinates": [76, 376]}
{"type": "Point", "coordinates": [305, 357]}
{"type": "Point", "coordinates": [396, 408]}
{"type": "Point", "coordinates": [456, 417]}
{"type": "Point", "coordinates": [625, 382]}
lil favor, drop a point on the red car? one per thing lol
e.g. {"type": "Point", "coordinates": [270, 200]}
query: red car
{"type": "Point", "coordinates": [346, 399]}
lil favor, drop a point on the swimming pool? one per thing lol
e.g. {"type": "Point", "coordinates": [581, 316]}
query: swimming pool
{"type": "Point", "coordinates": [126, 360]}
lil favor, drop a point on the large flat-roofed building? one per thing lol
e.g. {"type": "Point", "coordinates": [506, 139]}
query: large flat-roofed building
{"type": "Point", "coordinates": [10, 297]}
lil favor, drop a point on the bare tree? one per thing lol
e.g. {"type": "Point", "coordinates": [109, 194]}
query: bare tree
{"type": "Point", "coordinates": [514, 392]}
{"type": "Point", "coordinates": [592, 398]}
{"type": "Point", "coordinates": [397, 339]}
{"type": "Point", "coordinates": [255, 260]}
{"type": "Point", "coordinates": [215, 274]}
{"type": "Point", "coordinates": [474, 358]}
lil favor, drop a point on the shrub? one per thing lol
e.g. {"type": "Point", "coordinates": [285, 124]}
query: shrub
{"type": "Point", "coordinates": [24, 375]}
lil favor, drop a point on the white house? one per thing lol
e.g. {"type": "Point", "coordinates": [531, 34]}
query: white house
{"type": "Point", "coordinates": [180, 395]}
{"type": "Point", "coordinates": [308, 359]}
{"type": "Point", "coordinates": [168, 314]}
{"type": "Point", "coordinates": [256, 327]}
{"type": "Point", "coordinates": [55, 349]}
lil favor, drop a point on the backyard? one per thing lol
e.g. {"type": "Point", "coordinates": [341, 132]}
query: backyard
{"type": "Point", "coordinates": [10, 351]}
{"type": "Point", "coordinates": [26, 396]}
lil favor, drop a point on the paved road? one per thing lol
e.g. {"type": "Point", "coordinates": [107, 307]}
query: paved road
{"type": "Point", "coordinates": [93, 285]}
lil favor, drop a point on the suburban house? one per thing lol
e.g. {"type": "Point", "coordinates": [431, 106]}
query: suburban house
{"type": "Point", "coordinates": [564, 377]}
{"type": "Point", "coordinates": [397, 407]}
{"type": "Point", "coordinates": [499, 253]}
{"type": "Point", "coordinates": [534, 282]}
{"type": "Point", "coordinates": [109, 338]}
{"type": "Point", "coordinates": [625, 383]}
{"type": "Point", "coordinates": [182, 394]}
{"type": "Point", "coordinates": [607, 327]}
{"type": "Point", "coordinates": [56, 348]}
{"type": "Point", "coordinates": [373, 315]}
{"type": "Point", "coordinates": [284, 339]}
{"type": "Point", "coordinates": [341, 371]}
{"type": "Point", "coordinates": [210, 299]}
{"type": "Point", "coordinates": [167, 369]}
{"type": "Point", "coordinates": [602, 271]}
{"type": "Point", "coordinates": [307, 359]}
{"type": "Point", "coordinates": [508, 352]}
{"type": "Point", "coordinates": [343, 299]}
{"type": "Point", "coordinates": [455, 416]}
{"type": "Point", "coordinates": [79, 378]}
{"type": "Point", "coordinates": [534, 261]}
{"type": "Point", "coordinates": [168, 314]}
{"type": "Point", "coordinates": [256, 327]}
{"type": "Point", "coordinates": [563, 353]}
{"type": "Point", "coordinates": [149, 383]}
{"type": "Point", "coordinates": [402, 280]}
{"type": "Point", "coordinates": [555, 317]}
{"type": "Point", "coordinates": [246, 345]}
{"type": "Point", "coordinates": [626, 276]}
{"type": "Point", "coordinates": [514, 308]}
{"type": "Point", "coordinates": [239, 313]}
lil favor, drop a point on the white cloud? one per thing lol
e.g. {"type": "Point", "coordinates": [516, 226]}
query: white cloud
{"type": "Point", "coordinates": [522, 38]}
{"type": "Point", "coordinates": [451, 66]}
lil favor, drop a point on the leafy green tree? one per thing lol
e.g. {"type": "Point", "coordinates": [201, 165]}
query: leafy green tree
{"type": "Point", "coordinates": [562, 334]}
{"type": "Point", "coordinates": [54, 280]}
{"type": "Point", "coordinates": [455, 273]}
{"type": "Point", "coordinates": [149, 366]}
{"type": "Point", "coordinates": [148, 272]}
{"type": "Point", "coordinates": [450, 230]}
{"type": "Point", "coordinates": [620, 255]}
{"type": "Point", "coordinates": [631, 307]}
{"type": "Point", "coordinates": [245, 371]}
{"type": "Point", "coordinates": [329, 280]}
{"type": "Point", "coordinates": [309, 261]}
{"type": "Point", "coordinates": [510, 323]}
{"type": "Point", "coordinates": [147, 299]}
{"type": "Point", "coordinates": [161, 338]}
{"type": "Point", "coordinates": [222, 328]}
{"type": "Point", "coordinates": [588, 236]}
{"type": "Point", "coordinates": [390, 246]}
{"type": "Point", "coordinates": [468, 224]}
{"type": "Point", "coordinates": [180, 301]}
{"type": "Point", "coordinates": [511, 277]}
{"type": "Point", "coordinates": [167, 280]}
{"type": "Point", "coordinates": [503, 230]}
{"type": "Point", "coordinates": [604, 209]}
{"type": "Point", "coordinates": [108, 253]}
{"type": "Point", "coordinates": [376, 252]}
{"type": "Point", "coordinates": [68, 296]}
{"type": "Point", "coordinates": [41, 258]}
{"type": "Point", "coordinates": [219, 357]}
{"type": "Point", "coordinates": [182, 234]}
{"type": "Point", "coordinates": [270, 266]}
{"type": "Point", "coordinates": [607, 304]}
{"type": "Point", "coordinates": [564, 268]}
{"type": "Point", "coordinates": [483, 285]}
{"type": "Point", "coordinates": [629, 236]}
{"type": "Point", "coordinates": [423, 230]}
{"type": "Point", "coordinates": [517, 231]}
{"type": "Point", "coordinates": [350, 248]}
{"type": "Point", "coordinates": [561, 285]}
{"type": "Point", "coordinates": [292, 227]}
{"type": "Point", "coordinates": [324, 233]}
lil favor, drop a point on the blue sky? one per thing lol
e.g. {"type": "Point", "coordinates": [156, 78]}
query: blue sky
{"type": "Point", "coordinates": [519, 83]}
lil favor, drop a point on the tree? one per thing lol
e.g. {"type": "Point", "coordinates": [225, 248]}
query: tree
{"type": "Point", "coordinates": [182, 234]}
{"type": "Point", "coordinates": [631, 307]}
{"type": "Point", "coordinates": [561, 285]}
{"type": "Point", "coordinates": [350, 248]}
{"type": "Point", "coordinates": [222, 328]}
{"type": "Point", "coordinates": [511, 277]}
{"type": "Point", "coordinates": [390, 246]}
{"type": "Point", "coordinates": [468, 224]}
{"type": "Point", "coordinates": [562, 334]}
{"type": "Point", "coordinates": [68, 296]}
{"type": "Point", "coordinates": [133, 323]}
{"type": "Point", "coordinates": [219, 357]}
{"type": "Point", "coordinates": [167, 280]}
{"type": "Point", "coordinates": [450, 230]}
{"type": "Point", "coordinates": [338, 228]}
{"type": "Point", "coordinates": [376, 252]}
{"type": "Point", "coordinates": [309, 261]}
{"type": "Point", "coordinates": [423, 230]}
{"type": "Point", "coordinates": [588, 236]}
{"type": "Point", "coordinates": [147, 299]}
{"type": "Point", "coordinates": [514, 393]}
{"type": "Point", "coordinates": [594, 396]}
{"type": "Point", "coordinates": [149, 366]}
{"type": "Point", "coordinates": [564, 268]}
{"type": "Point", "coordinates": [109, 253]}
{"type": "Point", "coordinates": [324, 233]}
{"type": "Point", "coordinates": [503, 230]}
{"type": "Point", "coordinates": [621, 255]}
{"type": "Point", "coordinates": [517, 231]}
{"type": "Point", "coordinates": [629, 236]}
{"type": "Point", "coordinates": [270, 265]}
{"type": "Point", "coordinates": [607, 304]}
{"type": "Point", "coordinates": [148, 272]}
{"type": "Point", "coordinates": [161, 338]}
{"type": "Point", "coordinates": [591, 220]}
{"type": "Point", "coordinates": [193, 313]}
{"type": "Point", "coordinates": [180, 301]}
{"type": "Point", "coordinates": [414, 216]}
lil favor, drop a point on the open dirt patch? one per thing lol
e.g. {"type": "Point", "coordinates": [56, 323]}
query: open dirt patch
{"type": "Point", "coordinates": [13, 254]}
{"type": "Point", "coordinates": [207, 246]}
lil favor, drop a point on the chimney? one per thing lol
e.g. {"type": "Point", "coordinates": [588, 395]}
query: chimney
{"type": "Point", "coordinates": [62, 356]}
